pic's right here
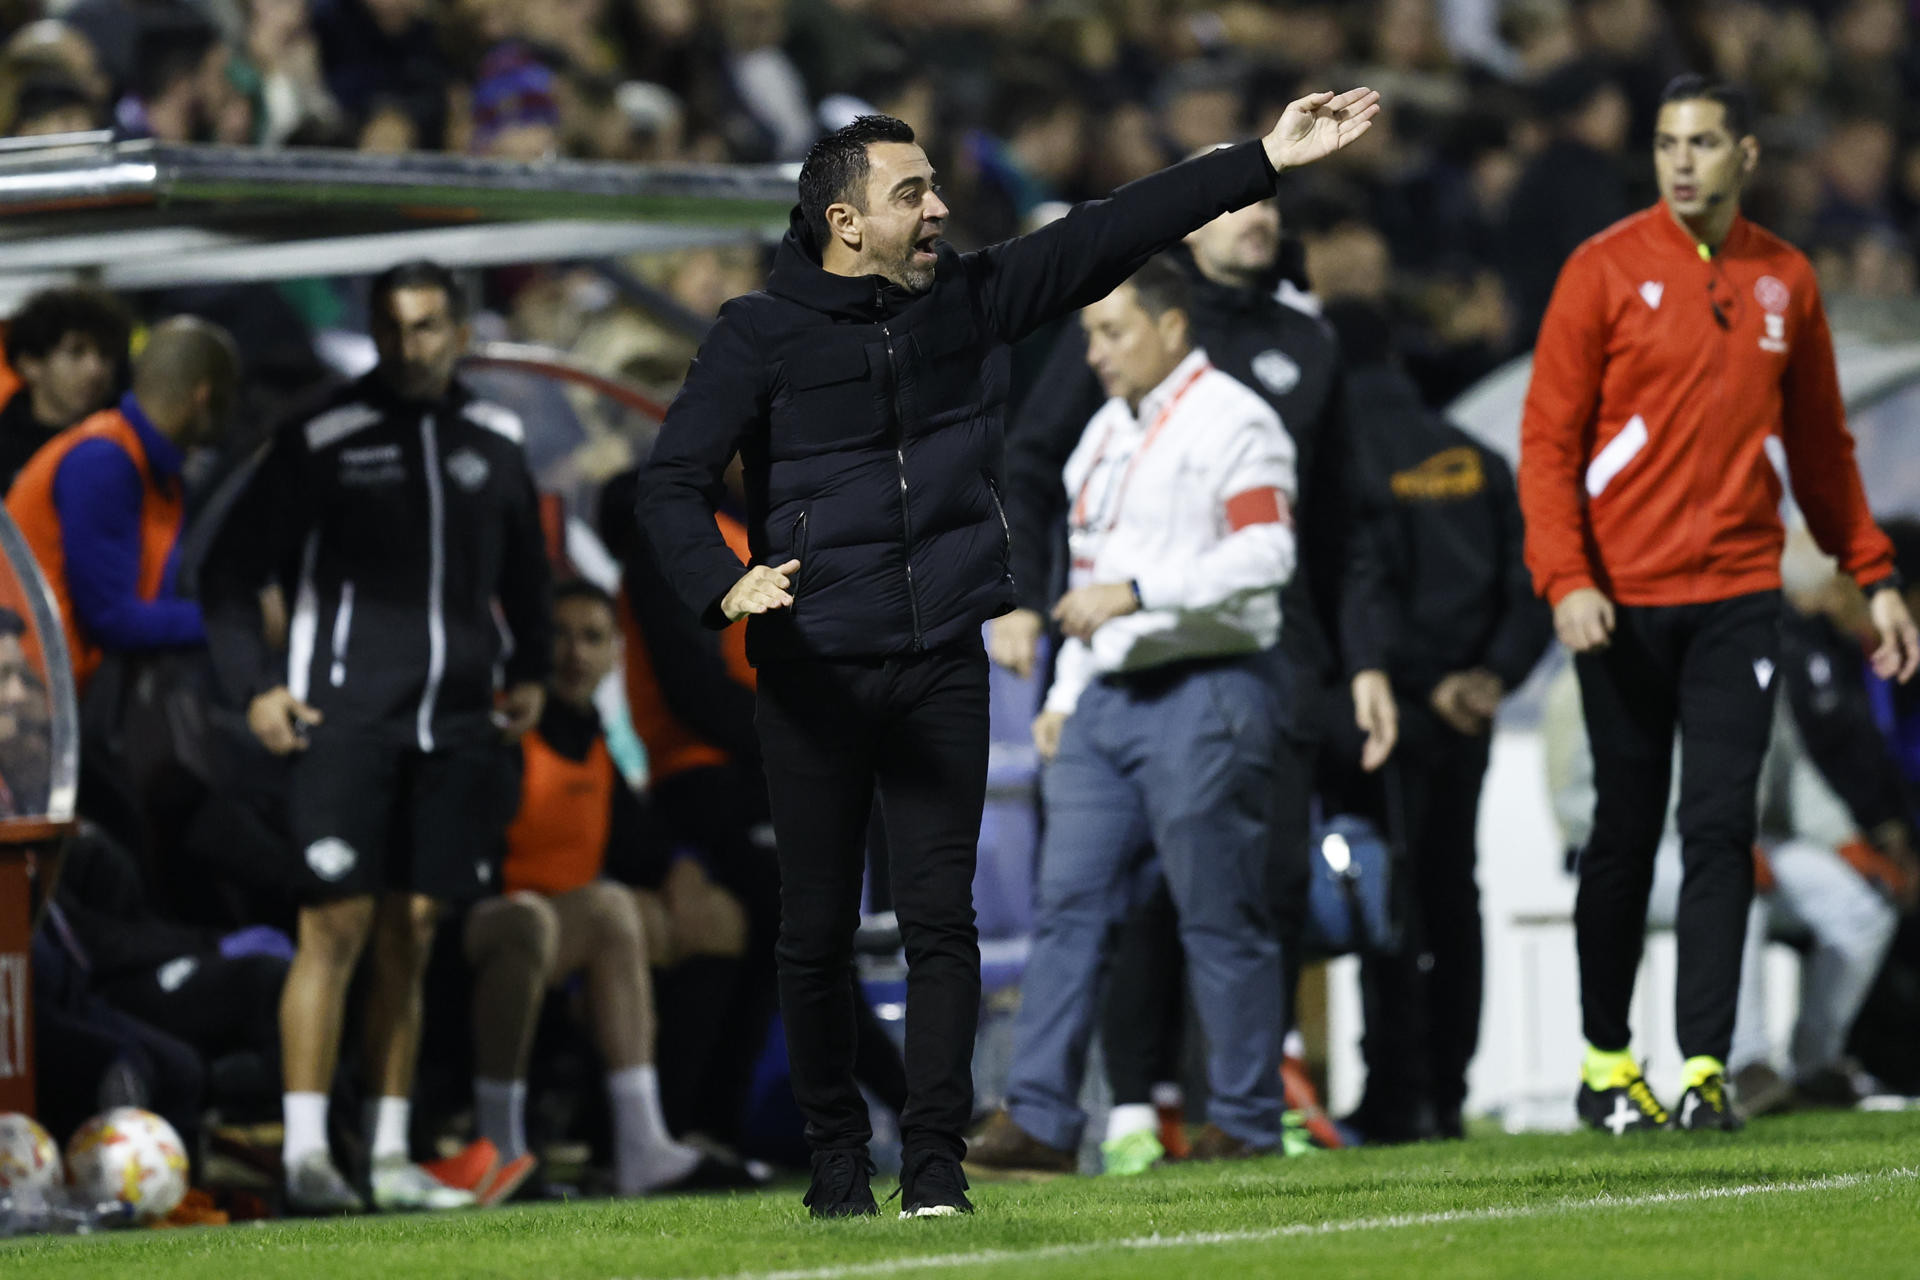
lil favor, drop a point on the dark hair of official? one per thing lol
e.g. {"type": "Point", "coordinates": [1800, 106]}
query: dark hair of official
{"type": "Point", "coordinates": [420, 273]}
{"type": "Point", "coordinates": [582, 589]}
{"type": "Point", "coordinates": [1160, 287]}
{"type": "Point", "coordinates": [50, 315]}
{"type": "Point", "coordinates": [1731, 97]}
{"type": "Point", "coordinates": [835, 170]}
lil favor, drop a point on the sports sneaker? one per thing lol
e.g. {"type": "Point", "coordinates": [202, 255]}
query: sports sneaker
{"type": "Point", "coordinates": [842, 1185]}
{"type": "Point", "coordinates": [401, 1186]}
{"type": "Point", "coordinates": [1706, 1106]}
{"type": "Point", "coordinates": [1759, 1090]}
{"type": "Point", "coordinates": [1132, 1154]}
{"type": "Point", "coordinates": [1215, 1143]}
{"type": "Point", "coordinates": [1626, 1106]}
{"type": "Point", "coordinates": [1004, 1147]}
{"type": "Point", "coordinates": [315, 1188]}
{"type": "Point", "coordinates": [932, 1185]}
{"type": "Point", "coordinates": [471, 1169]}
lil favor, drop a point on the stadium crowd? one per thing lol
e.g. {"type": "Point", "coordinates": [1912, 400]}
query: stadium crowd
{"type": "Point", "coordinates": [599, 966]}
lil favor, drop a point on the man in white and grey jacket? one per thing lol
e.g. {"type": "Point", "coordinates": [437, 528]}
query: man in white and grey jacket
{"type": "Point", "coordinates": [1161, 722]}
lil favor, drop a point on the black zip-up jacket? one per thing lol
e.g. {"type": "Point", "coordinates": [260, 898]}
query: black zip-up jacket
{"type": "Point", "coordinates": [869, 421]}
{"type": "Point", "coordinates": [1443, 518]}
{"type": "Point", "coordinates": [394, 530]}
{"type": "Point", "coordinates": [1292, 360]}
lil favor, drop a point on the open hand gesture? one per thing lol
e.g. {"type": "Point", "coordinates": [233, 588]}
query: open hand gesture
{"type": "Point", "coordinates": [1314, 127]}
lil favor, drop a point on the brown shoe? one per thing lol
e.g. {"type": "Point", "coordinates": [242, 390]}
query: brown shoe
{"type": "Point", "coordinates": [1004, 1147]}
{"type": "Point", "coordinates": [1215, 1143]}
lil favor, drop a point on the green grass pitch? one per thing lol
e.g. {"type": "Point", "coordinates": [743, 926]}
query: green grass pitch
{"type": "Point", "coordinates": [1810, 1195]}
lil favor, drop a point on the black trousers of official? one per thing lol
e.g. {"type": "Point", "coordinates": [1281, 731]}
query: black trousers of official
{"type": "Point", "coordinates": [1422, 1002]}
{"type": "Point", "coordinates": [917, 726]}
{"type": "Point", "coordinates": [1707, 668]}
{"type": "Point", "coordinates": [1143, 1028]}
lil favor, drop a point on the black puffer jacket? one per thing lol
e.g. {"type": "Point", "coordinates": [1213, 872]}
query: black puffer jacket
{"type": "Point", "coordinates": [869, 421]}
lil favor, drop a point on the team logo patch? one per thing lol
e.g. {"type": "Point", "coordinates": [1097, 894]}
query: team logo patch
{"type": "Point", "coordinates": [173, 974]}
{"type": "Point", "coordinates": [1773, 295]}
{"type": "Point", "coordinates": [468, 469]}
{"type": "Point", "coordinates": [1651, 292]}
{"type": "Point", "coordinates": [1277, 371]}
{"type": "Point", "coordinates": [331, 858]}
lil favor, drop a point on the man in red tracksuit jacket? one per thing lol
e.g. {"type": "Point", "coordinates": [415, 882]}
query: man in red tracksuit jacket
{"type": "Point", "coordinates": [1678, 343]}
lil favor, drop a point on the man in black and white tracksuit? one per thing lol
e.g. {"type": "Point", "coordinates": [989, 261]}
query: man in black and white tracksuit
{"type": "Point", "coordinates": [401, 524]}
{"type": "Point", "coordinates": [863, 391]}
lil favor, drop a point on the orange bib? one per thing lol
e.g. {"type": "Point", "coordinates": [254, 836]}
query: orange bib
{"type": "Point", "coordinates": [558, 841]}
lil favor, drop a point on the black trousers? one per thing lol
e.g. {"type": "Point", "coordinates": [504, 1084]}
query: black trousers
{"type": "Point", "coordinates": [1144, 1023]}
{"type": "Point", "coordinates": [1422, 1003]}
{"type": "Point", "coordinates": [917, 726]}
{"type": "Point", "coordinates": [1707, 668]}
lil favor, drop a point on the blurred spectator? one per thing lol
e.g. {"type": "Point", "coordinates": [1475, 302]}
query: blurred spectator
{"type": "Point", "coordinates": [26, 718]}
{"type": "Point", "coordinates": [1573, 188]}
{"type": "Point", "coordinates": [67, 345]}
{"type": "Point", "coordinates": [515, 113]}
{"type": "Point", "coordinates": [293, 91]}
{"type": "Point", "coordinates": [384, 57]}
{"type": "Point", "coordinates": [54, 46]}
{"type": "Point", "coordinates": [559, 918]}
{"type": "Point", "coordinates": [1857, 158]}
{"type": "Point", "coordinates": [177, 80]}
{"type": "Point", "coordinates": [102, 507]}
{"type": "Point", "coordinates": [51, 102]}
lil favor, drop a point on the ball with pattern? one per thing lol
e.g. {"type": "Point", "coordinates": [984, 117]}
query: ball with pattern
{"type": "Point", "coordinates": [132, 1156]}
{"type": "Point", "coordinates": [29, 1157]}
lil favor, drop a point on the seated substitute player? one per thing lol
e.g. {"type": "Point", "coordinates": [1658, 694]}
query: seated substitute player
{"type": "Point", "coordinates": [401, 522]}
{"type": "Point", "coordinates": [558, 918]}
{"type": "Point", "coordinates": [1160, 725]}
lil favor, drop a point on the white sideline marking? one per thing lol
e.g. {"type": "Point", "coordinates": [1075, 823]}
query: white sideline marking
{"type": "Point", "coordinates": [1197, 1239]}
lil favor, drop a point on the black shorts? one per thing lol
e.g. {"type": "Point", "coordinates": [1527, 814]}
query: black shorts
{"type": "Point", "coordinates": [372, 816]}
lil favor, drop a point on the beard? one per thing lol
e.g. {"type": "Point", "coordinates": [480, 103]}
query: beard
{"type": "Point", "coordinates": [914, 278]}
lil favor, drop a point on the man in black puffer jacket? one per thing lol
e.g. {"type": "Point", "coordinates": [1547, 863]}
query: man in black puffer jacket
{"type": "Point", "coordinates": [864, 390]}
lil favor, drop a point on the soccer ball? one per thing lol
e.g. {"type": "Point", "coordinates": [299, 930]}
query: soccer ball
{"type": "Point", "coordinates": [131, 1156]}
{"type": "Point", "coordinates": [29, 1157]}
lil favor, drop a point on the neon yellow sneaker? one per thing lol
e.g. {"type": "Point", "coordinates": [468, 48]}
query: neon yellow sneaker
{"type": "Point", "coordinates": [1131, 1155]}
{"type": "Point", "coordinates": [1704, 1104]}
{"type": "Point", "coordinates": [1615, 1097]}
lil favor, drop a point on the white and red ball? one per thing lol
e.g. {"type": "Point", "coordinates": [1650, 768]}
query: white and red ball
{"type": "Point", "coordinates": [29, 1157]}
{"type": "Point", "coordinates": [131, 1156]}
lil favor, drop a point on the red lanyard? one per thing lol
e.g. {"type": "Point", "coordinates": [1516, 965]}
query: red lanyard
{"type": "Point", "coordinates": [1126, 477]}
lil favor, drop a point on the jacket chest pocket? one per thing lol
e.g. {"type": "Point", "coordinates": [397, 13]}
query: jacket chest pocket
{"type": "Point", "coordinates": [832, 399]}
{"type": "Point", "coordinates": [947, 367]}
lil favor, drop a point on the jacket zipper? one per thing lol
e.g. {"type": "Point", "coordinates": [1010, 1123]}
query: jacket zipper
{"type": "Point", "coordinates": [900, 460]}
{"type": "Point", "coordinates": [436, 584]}
{"type": "Point", "coordinates": [342, 629]}
{"type": "Point", "coordinates": [797, 550]}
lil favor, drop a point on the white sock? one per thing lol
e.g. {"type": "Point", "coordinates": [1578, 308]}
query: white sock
{"type": "Point", "coordinates": [387, 1128]}
{"type": "Point", "coordinates": [502, 1108]}
{"type": "Point", "coordinates": [646, 1154]}
{"type": "Point", "coordinates": [1166, 1094]}
{"type": "Point", "coordinates": [305, 1115]}
{"type": "Point", "coordinates": [1130, 1118]}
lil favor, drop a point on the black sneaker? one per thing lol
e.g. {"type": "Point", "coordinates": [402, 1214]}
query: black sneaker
{"type": "Point", "coordinates": [1706, 1106]}
{"type": "Point", "coordinates": [932, 1185]}
{"type": "Point", "coordinates": [842, 1186]}
{"type": "Point", "coordinates": [1628, 1107]}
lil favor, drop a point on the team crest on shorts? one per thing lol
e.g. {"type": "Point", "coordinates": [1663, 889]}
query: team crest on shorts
{"type": "Point", "coordinates": [331, 858]}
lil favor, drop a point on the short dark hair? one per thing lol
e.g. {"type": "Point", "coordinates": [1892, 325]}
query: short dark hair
{"type": "Point", "coordinates": [46, 318]}
{"type": "Point", "coordinates": [836, 168]}
{"type": "Point", "coordinates": [582, 589]}
{"type": "Point", "coordinates": [1161, 287]}
{"type": "Point", "coordinates": [419, 273]}
{"type": "Point", "coordinates": [169, 48]}
{"type": "Point", "coordinates": [1732, 98]}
